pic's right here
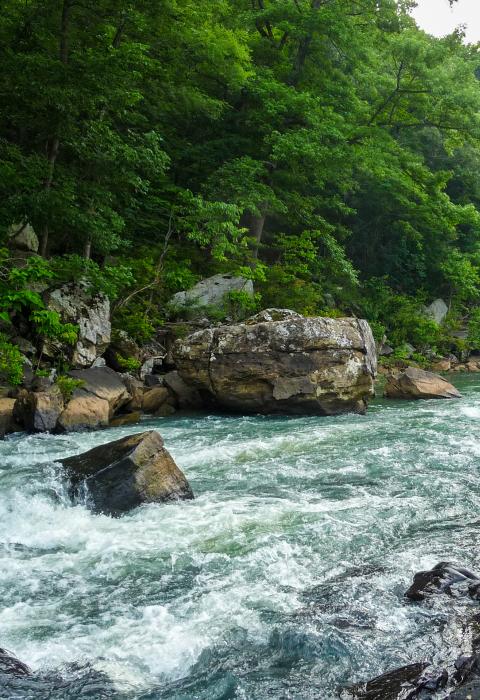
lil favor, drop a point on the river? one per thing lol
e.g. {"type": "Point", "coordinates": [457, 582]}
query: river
{"type": "Point", "coordinates": [283, 579]}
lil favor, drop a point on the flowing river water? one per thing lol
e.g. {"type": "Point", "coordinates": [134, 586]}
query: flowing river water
{"type": "Point", "coordinates": [283, 579]}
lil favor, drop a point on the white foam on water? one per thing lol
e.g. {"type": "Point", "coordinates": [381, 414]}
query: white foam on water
{"type": "Point", "coordinates": [282, 507]}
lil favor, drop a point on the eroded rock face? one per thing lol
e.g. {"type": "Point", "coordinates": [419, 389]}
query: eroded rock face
{"type": "Point", "coordinates": [292, 365]}
{"type": "Point", "coordinates": [123, 474]}
{"type": "Point", "coordinates": [90, 313]}
{"type": "Point", "coordinates": [416, 383]}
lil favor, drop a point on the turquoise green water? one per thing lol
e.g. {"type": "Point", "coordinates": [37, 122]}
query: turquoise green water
{"type": "Point", "coordinates": [283, 579]}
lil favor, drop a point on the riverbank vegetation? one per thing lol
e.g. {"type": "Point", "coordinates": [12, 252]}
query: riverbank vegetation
{"type": "Point", "coordinates": [328, 149]}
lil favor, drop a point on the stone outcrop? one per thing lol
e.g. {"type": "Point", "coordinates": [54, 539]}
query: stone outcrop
{"type": "Point", "coordinates": [212, 291]}
{"type": "Point", "coordinates": [103, 383]}
{"type": "Point", "coordinates": [90, 313]}
{"type": "Point", "coordinates": [292, 365]}
{"type": "Point", "coordinates": [437, 311]}
{"type": "Point", "coordinates": [84, 412]}
{"type": "Point", "coordinates": [414, 383]}
{"type": "Point", "coordinates": [23, 237]}
{"type": "Point", "coordinates": [39, 411]}
{"type": "Point", "coordinates": [126, 473]}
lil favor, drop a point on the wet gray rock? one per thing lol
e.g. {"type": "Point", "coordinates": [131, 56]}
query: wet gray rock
{"type": "Point", "coordinates": [124, 474]}
{"type": "Point", "coordinates": [10, 665]}
{"type": "Point", "coordinates": [440, 579]}
{"type": "Point", "coordinates": [401, 684]}
{"type": "Point", "coordinates": [299, 365]}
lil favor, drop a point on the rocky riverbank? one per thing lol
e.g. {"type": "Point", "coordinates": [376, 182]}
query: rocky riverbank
{"type": "Point", "coordinates": [275, 362]}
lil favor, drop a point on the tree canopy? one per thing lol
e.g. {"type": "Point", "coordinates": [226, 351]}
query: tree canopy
{"type": "Point", "coordinates": [329, 149]}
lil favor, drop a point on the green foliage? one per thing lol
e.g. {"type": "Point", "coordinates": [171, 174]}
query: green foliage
{"type": "Point", "coordinates": [68, 385]}
{"type": "Point", "coordinates": [240, 304]}
{"type": "Point", "coordinates": [109, 279]}
{"type": "Point", "coordinates": [330, 154]}
{"type": "Point", "coordinates": [11, 362]}
{"type": "Point", "coordinates": [128, 364]}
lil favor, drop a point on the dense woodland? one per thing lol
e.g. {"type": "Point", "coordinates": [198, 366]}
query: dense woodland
{"type": "Point", "coordinates": [329, 149]}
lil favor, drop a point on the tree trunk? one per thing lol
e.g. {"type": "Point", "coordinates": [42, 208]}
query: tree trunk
{"type": "Point", "coordinates": [54, 145]}
{"type": "Point", "coordinates": [87, 250]}
{"type": "Point", "coordinates": [256, 226]}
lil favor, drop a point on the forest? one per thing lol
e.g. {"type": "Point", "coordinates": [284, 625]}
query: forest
{"type": "Point", "coordinates": [327, 149]}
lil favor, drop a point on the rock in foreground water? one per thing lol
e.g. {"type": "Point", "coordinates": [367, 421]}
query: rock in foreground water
{"type": "Point", "coordinates": [292, 364]}
{"type": "Point", "coordinates": [440, 579]}
{"type": "Point", "coordinates": [126, 473]}
{"type": "Point", "coordinates": [416, 383]}
{"type": "Point", "coordinates": [10, 665]}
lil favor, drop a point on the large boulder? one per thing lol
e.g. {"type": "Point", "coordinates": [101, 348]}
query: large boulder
{"type": "Point", "coordinates": [296, 365]}
{"type": "Point", "coordinates": [126, 473]}
{"type": "Point", "coordinates": [90, 313]}
{"type": "Point", "coordinates": [414, 383]}
{"type": "Point", "coordinates": [23, 237]}
{"type": "Point", "coordinates": [437, 311]}
{"type": "Point", "coordinates": [38, 411]}
{"type": "Point", "coordinates": [104, 383]}
{"type": "Point", "coordinates": [84, 412]}
{"type": "Point", "coordinates": [212, 291]}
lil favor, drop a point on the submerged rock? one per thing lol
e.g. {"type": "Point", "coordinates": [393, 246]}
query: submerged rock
{"type": "Point", "coordinates": [440, 579]}
{"type": "Point", "coordinates": [299, 365]}
{"type": "Point", "coordinates": [126, 473]}
{"type": "Point", "coordinates": [414, 383]}
{"type": "Point", "coordinates": [401, 684]}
